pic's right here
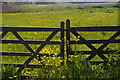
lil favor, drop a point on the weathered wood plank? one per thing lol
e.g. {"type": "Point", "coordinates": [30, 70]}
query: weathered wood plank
{"type": "Point", "coordinates": [31, 42]}
{"type": "Point", "coordinates": [94, 41]}
{"type": "Point", "coordinates": [97, 28]}
{"type": "Point", "coordinates": [62, 52]}
{"type": "Point", "coordinates": [27, 54]}
{"type": "Point", "coordinates": [67, 37]}
{"type": "Point", "coordinates": [90, 52]}
{"type": "Point", "coordinates": [92, 28]}
{"type": "Point", "coordinates": [3, 34]}
{"type": "Point", "coordinates": [30, 29]}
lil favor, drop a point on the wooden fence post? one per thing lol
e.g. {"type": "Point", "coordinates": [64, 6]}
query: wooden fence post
{"type": "Point", "coordinates": [62, 42]}
{"type": "Point", "coordinates": [67, 38]}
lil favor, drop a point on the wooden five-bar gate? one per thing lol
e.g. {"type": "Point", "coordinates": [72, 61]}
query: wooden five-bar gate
{"type": "Point", "coordinates": [81, 40]}
{"type": "Point", "coordinates": [64, 43]}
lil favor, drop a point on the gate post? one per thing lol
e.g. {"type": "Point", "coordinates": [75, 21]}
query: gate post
{"type": "Point", "coordinates": [67, 38]}
{"type": "Point", "coordinates": [62, 42]}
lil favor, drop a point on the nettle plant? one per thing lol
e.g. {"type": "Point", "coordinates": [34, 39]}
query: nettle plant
{"type": "Point", "coordinates": [8, 72]}
{"type": "Point", "coordinates": [112, 68]}
{"type": "Point", "coordinates": [77, 67]}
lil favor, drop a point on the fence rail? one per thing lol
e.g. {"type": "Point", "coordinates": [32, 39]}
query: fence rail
{"type": "Point", "coordinates": [63, 42]}
{"type": "Point", "coordinates": [90, 52]}
{"type": "Point", "coordinates": [97, 28]}
{"type": "Point", "coordinates": [31, 42]}
{"type": "Point", "coordinates": [30, 29]}
{"type": "Point", "coordinates": [27, 54]}
{"type": "Point", "coordinates": [94, 41]}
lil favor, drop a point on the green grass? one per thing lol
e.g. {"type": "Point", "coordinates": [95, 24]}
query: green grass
{"type": "Point", "coordinates": [51, 16]}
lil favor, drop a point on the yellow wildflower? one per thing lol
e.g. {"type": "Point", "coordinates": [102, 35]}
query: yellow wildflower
{"type": "Point", "coordinates": [10, 77]}
{"type": "Point", "coordinates": [15, 76]}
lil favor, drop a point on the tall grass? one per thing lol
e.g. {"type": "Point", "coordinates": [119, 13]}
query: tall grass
{"type": "Point", "coordinates": [76, 68]}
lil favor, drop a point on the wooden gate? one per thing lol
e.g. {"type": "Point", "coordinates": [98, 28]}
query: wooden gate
{"type": "Point", "coordinates": [94, 51]}
{"type": "Point", "coordinates": [26, 43]}
{"type": "Point", "coordinates": [74, 30]}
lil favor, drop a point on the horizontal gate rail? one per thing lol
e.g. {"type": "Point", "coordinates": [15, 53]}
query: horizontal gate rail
{"type": "Point", "coordinates": [94, 41]}
{"type": "Point", "coordinates": [30, 29]}
{"type": "Point", "coordinates": [90, 52]}
{"type": "Point", "coordinates": [28, 54]}
{"type": "Point", "coordinates": [31, 42]}
{"type": "Point", "coordinates": [97, 28]}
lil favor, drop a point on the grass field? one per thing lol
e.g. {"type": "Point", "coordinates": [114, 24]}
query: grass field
{"type": "Point", "coordinates": [80, 15]}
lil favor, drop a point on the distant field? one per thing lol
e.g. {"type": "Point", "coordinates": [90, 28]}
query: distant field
{"type": "Point", "coordinates": [31, 15]}
{"type": "Point", "coordinates": [80, 15]}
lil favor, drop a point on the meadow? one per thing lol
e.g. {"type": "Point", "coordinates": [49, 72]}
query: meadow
{"type": "Point", "coordinates": [80, 15]}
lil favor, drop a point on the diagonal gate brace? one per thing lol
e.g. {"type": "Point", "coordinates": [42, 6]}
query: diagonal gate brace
{"type": "Point", "coordinates": [35, 53]}
{"type": "Point", "coordinates": [94, 50]}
